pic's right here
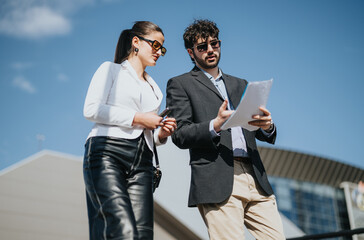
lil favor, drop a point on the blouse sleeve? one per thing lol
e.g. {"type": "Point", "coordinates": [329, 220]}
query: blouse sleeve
{"type": "Point", "coordinates": [96, 108]}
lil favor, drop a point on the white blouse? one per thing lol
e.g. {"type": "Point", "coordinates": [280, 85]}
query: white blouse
{"type": "Point", "coordinates": [114, 96]}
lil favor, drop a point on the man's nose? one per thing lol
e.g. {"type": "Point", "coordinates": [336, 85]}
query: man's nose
{"type": "Point", "coordinates": [209, 48]}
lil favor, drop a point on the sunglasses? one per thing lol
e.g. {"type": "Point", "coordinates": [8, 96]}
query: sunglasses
{"type": "Point", "coordinates": [155, 45]}
{"type": "Point", "coordinates": [203, 46]}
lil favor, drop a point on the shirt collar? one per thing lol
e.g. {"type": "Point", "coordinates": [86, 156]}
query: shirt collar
{"type": "Point", "coordinates": [128, 66]}
{"type": "Point", "coordinates": [209, 76]}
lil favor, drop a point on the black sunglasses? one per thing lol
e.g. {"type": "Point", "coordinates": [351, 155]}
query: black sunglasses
{"type": "Point", "coordinates": [203, 46]}
{"type": "Point", "coordinates": [155, 45]}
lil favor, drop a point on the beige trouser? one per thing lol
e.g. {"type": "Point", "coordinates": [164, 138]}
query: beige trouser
{"type": "Point", "coordinates": [245, 206]}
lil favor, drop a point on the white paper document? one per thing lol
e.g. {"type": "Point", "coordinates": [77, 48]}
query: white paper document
{"type": "Point", "coordinates": [255, 96]}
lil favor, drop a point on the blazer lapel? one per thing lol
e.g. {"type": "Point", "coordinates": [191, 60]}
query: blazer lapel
{"type": "Point", "coordinates": [126, 64]}
{"type": "Point", "coordinates": [234, 90]}
{"type": "Point", "coordinates": [203, 79]}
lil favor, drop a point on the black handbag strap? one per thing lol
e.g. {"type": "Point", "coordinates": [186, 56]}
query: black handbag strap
{"type": "Point", "coordinates": [155, 153]}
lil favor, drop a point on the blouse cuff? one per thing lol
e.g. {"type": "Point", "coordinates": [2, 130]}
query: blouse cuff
{"type": "Point", "coordinates": [156, 138]}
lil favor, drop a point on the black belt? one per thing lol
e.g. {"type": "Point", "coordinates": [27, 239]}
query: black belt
{"type": "Point", "coordinates": [242, 159]}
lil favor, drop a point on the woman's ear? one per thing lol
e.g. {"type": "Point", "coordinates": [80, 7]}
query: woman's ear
{"type": "Point", "coordinates": [135, 42]}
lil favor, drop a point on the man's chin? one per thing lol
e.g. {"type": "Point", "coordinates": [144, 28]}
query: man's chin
{"type": "Point", "coordinates": [211, 66]}
{"type": "Point", "coordinates": [207, 65]}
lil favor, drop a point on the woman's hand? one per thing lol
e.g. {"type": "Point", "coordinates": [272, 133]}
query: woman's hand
{"type": "Point", "coordinates": [168, 127]}
{"type": "Point", "coordinates": [149, 120]}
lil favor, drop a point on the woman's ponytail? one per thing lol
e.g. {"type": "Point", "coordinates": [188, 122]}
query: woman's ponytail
{"type": "Point", "coordinates": [123, 48]}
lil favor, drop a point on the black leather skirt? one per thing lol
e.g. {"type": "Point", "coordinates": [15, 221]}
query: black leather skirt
{"type": "Point", "coordinates": [118, 178]}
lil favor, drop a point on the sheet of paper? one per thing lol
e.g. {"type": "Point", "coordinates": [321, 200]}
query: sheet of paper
{"type": "Point", "coordinates": [255, 96]}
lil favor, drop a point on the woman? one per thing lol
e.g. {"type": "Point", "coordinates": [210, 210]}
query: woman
{"type": "Point", "coordinates": [123, 101]}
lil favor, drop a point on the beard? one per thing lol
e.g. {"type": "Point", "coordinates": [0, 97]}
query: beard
{"type": "Point", "coordinates": [204, 63]}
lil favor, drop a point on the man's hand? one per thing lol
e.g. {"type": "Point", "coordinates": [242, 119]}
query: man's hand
{"type": "Point", "coordinates": [264, 122]}
{"type": "Point", "coordinates": [222, 116]}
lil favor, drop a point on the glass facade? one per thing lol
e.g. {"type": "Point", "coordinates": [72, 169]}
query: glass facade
{"type": "Point", "coordinates": [314, 208]}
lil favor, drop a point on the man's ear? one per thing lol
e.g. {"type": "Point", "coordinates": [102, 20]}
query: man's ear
{"type": "Point", "coordinates": [189, 50]}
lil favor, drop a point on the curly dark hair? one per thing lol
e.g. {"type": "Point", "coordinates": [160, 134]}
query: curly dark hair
{"type": "Point", "coordinates": [201, 28]}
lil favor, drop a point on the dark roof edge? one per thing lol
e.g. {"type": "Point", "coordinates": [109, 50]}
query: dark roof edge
{"type": "Point", "coordinates": [309, 168]}
{"type": "Point", "coordinates": [172, 225]}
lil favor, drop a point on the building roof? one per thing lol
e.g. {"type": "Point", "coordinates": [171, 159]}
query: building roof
{"type": "Point", "coordinates": [43, 197]}
{"type": "Point", "coordinates": [44, 194]}
{"type": "Point", "coordinates": [306, 167]}
{"type": "Point", "coordinates": [172, 225]}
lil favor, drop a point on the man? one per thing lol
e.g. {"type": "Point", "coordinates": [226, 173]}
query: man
{"type": "Point", "coordinates": [229, 184]}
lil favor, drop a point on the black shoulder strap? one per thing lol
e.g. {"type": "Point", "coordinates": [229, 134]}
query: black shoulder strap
{"type": "Point", "coordinates": [155, 155]}
{"type": "Point", "coordinates": [155, 152]}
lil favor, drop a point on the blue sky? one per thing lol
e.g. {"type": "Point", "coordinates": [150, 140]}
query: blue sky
{"type": "Point", "coordinates": [314, 50]}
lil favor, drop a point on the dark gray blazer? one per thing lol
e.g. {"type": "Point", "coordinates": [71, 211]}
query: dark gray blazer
{"type": "Point", "coordinates": [195, 101]}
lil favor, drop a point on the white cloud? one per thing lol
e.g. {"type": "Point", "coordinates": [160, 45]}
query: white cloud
{"type": "Point", "coordinates": [62, 77]}
{"type": "Point", "coordinates": [35, 22]}
{"type": "Point", "coordinates": [21, 65]}
{"type": "Point", "coordinates": [38, 18]}
{"type": "Point", "coordinates": [23, 84]}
